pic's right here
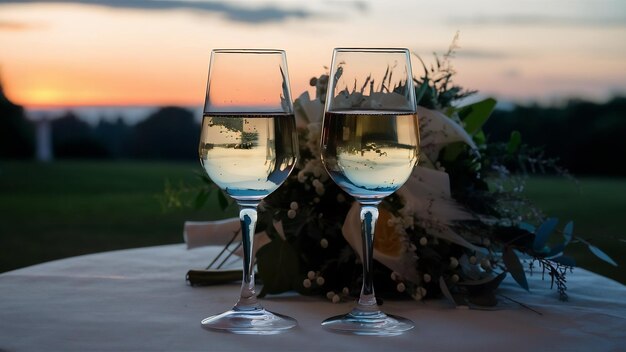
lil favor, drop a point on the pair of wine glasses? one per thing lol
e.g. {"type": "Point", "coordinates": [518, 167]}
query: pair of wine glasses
{"type": "Point", "coordinates": [248, 147]}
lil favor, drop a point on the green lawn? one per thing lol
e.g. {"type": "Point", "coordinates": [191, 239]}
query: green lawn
{"type": "Point", "coordinates": [598, 208]}
{"type": "Point", "coordinates": [61, 209]}
{"type": "Point", "coordinates": [50, 211]}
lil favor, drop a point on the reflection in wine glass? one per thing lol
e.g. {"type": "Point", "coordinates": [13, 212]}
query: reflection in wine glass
{"type": "Point", "coordinates": [370, 144]}
{"type": "Point", "coordinates": [248, 147]}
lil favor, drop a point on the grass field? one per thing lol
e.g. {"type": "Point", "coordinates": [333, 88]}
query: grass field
{"type": "Point", "coordinates": [51, 211]}
{"type": "Point", "coordinates": [598, 208]}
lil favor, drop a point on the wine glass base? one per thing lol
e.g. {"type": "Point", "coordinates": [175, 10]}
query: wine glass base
{"type": "Point", "coordinates": [371, 323]}
{"type": "Point", "coordinates": [255, 321]}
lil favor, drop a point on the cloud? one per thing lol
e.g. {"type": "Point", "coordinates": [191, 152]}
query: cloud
{"type": "Point", "coordinates": [480, 54]}
{"type": "Point", "coordinates": [511, 73]}
{"type": "Point", "coordinates": [539, 20]}
{"type": "Point", "coordinates": [14, 26]}
{"type": "Point", "coordinates": [235, 12]}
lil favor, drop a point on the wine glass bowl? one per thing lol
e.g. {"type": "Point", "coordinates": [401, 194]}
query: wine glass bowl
{"type": "Point", "coordinates": [248, 146]}
{"type": "Point", "coordinates": [369, 144]}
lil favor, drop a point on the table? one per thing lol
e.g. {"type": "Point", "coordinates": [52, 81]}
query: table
{"type": "Point", "coordinates": [137, 300]}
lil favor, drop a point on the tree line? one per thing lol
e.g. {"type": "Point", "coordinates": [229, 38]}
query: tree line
{"type": "Point", "coordinates": [588, 138]}
{"type": "Point", "coordinates": [170, 133]}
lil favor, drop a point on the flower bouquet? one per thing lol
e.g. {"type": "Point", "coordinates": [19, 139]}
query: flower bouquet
{"type": "Point", "coordinates": [456, 228]}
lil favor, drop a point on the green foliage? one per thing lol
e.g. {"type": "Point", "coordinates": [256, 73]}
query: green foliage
{"type": "Point", "coordinates": [467, 259]}
{"type": "Point", "coordinates": [475, 115]}
{"type": "Point", "coordinates": [514, 267]}
{"type": "Point", "coordinates": [514, 142]}
{"type": "Point", "coordinates": [436, 89]}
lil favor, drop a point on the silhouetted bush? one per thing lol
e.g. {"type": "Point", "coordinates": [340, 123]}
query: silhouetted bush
{"type": "Point", "coordinates": [113, 136]}
{"type": "Point", "coordinates": [74, 138]}
{"type": "Point", "coordinates": [16, 132]}
{"type": "Point", "coordinates": [169, 133]}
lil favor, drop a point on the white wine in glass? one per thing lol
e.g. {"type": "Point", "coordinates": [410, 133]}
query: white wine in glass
{"type": "Point", "coordinates": [248, 147]}
{"type": "Point", "coordinates": [370, 144]}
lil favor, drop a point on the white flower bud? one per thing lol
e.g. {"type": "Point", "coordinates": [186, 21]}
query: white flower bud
{"type": "Point", "coordinates": [293, 205]}
{"type": "Point", "coordinates": [320, 280]}
{"type": "Point", "coordinates": [301, 176]}
{"type": "Point", "coordinates": [453, 262]}
{"type": "Point", "coordinates": [317, 183]}
{"type": "Point", "coordinates": [310, 275]}
{"type": "Point", "coordinates": [306, 283]}
{"type": "Point", "coordinates": [330, 294]}
{"type": "Point", "coordinates": [394, 276]}
{"type": "Point", "coordinates": [316, 200]}
{"type": "Point", "coordinates": [423, 241]}
{"type": "Point", "coordinates": [324, 243]}
{"type": "Point", "coordinates": [421, 291]}
{"type": "Point", "coordinates": [427, 278]}
{"type": "Point", "coordinates": [320, 190]}
{"type": "Point", "coordinates": [336, 299]}
{"type": "Point", "coordinates": [401, 287]}
{"type": "Point", "coordinates": [485, 264]}
{"type": "Point", "coordinates": [345, 291]}
{"type": "Point", "coordinates": [455, 278]}
{"type": "Point", "coordinates": [291, 214]}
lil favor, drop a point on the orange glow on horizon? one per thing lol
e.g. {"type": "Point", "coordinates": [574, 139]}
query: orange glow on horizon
{"type": "Point", "coordinates": [70, 54]}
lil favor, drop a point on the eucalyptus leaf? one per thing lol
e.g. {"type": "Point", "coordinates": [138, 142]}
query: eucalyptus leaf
{"type": "Point", "coordinates": [278, 265]}
{"type": "Point", "coordinates": [568, 231]}
{"type": "Point", "coordinates": [514, 142]}
{"type": "Point", "coordinates": [600, 254]}
{"type": "Point", "coordinates": [475, 115]}
{"type": "Point", "coordinates": [543, 233]}
{"type": "Point", "coordinates": [514, 266]}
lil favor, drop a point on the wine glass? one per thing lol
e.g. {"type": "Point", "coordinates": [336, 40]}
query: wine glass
{"type": "Point", "coordinates": [248, 147]}
{"type": "Point", "coordinates": [370, 144]}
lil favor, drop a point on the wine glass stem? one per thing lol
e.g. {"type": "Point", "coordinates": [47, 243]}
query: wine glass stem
{"type": "Point", "coordinates": [369, 215]}
{"type": "Point", "coordinates": [248, 218]}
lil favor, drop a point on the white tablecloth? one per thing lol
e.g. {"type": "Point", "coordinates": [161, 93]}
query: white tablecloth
{"type": "Point", "coordinates": [137, 300]}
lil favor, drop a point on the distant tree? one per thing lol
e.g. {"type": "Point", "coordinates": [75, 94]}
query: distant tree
{"type": "Point", "coordinates": [112, 136]}
{"type": "Point", "coordinates": [74, 138]}
{"type": "Point", "coordinates": [169, 133]}
{"type": "Point", "coordinates": [16, 132]}
{"type": "Point", "coordinates": [588, 138]}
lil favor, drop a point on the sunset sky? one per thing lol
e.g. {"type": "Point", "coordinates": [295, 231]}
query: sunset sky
{"type": "Point", "coordinates": [104, 52]}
